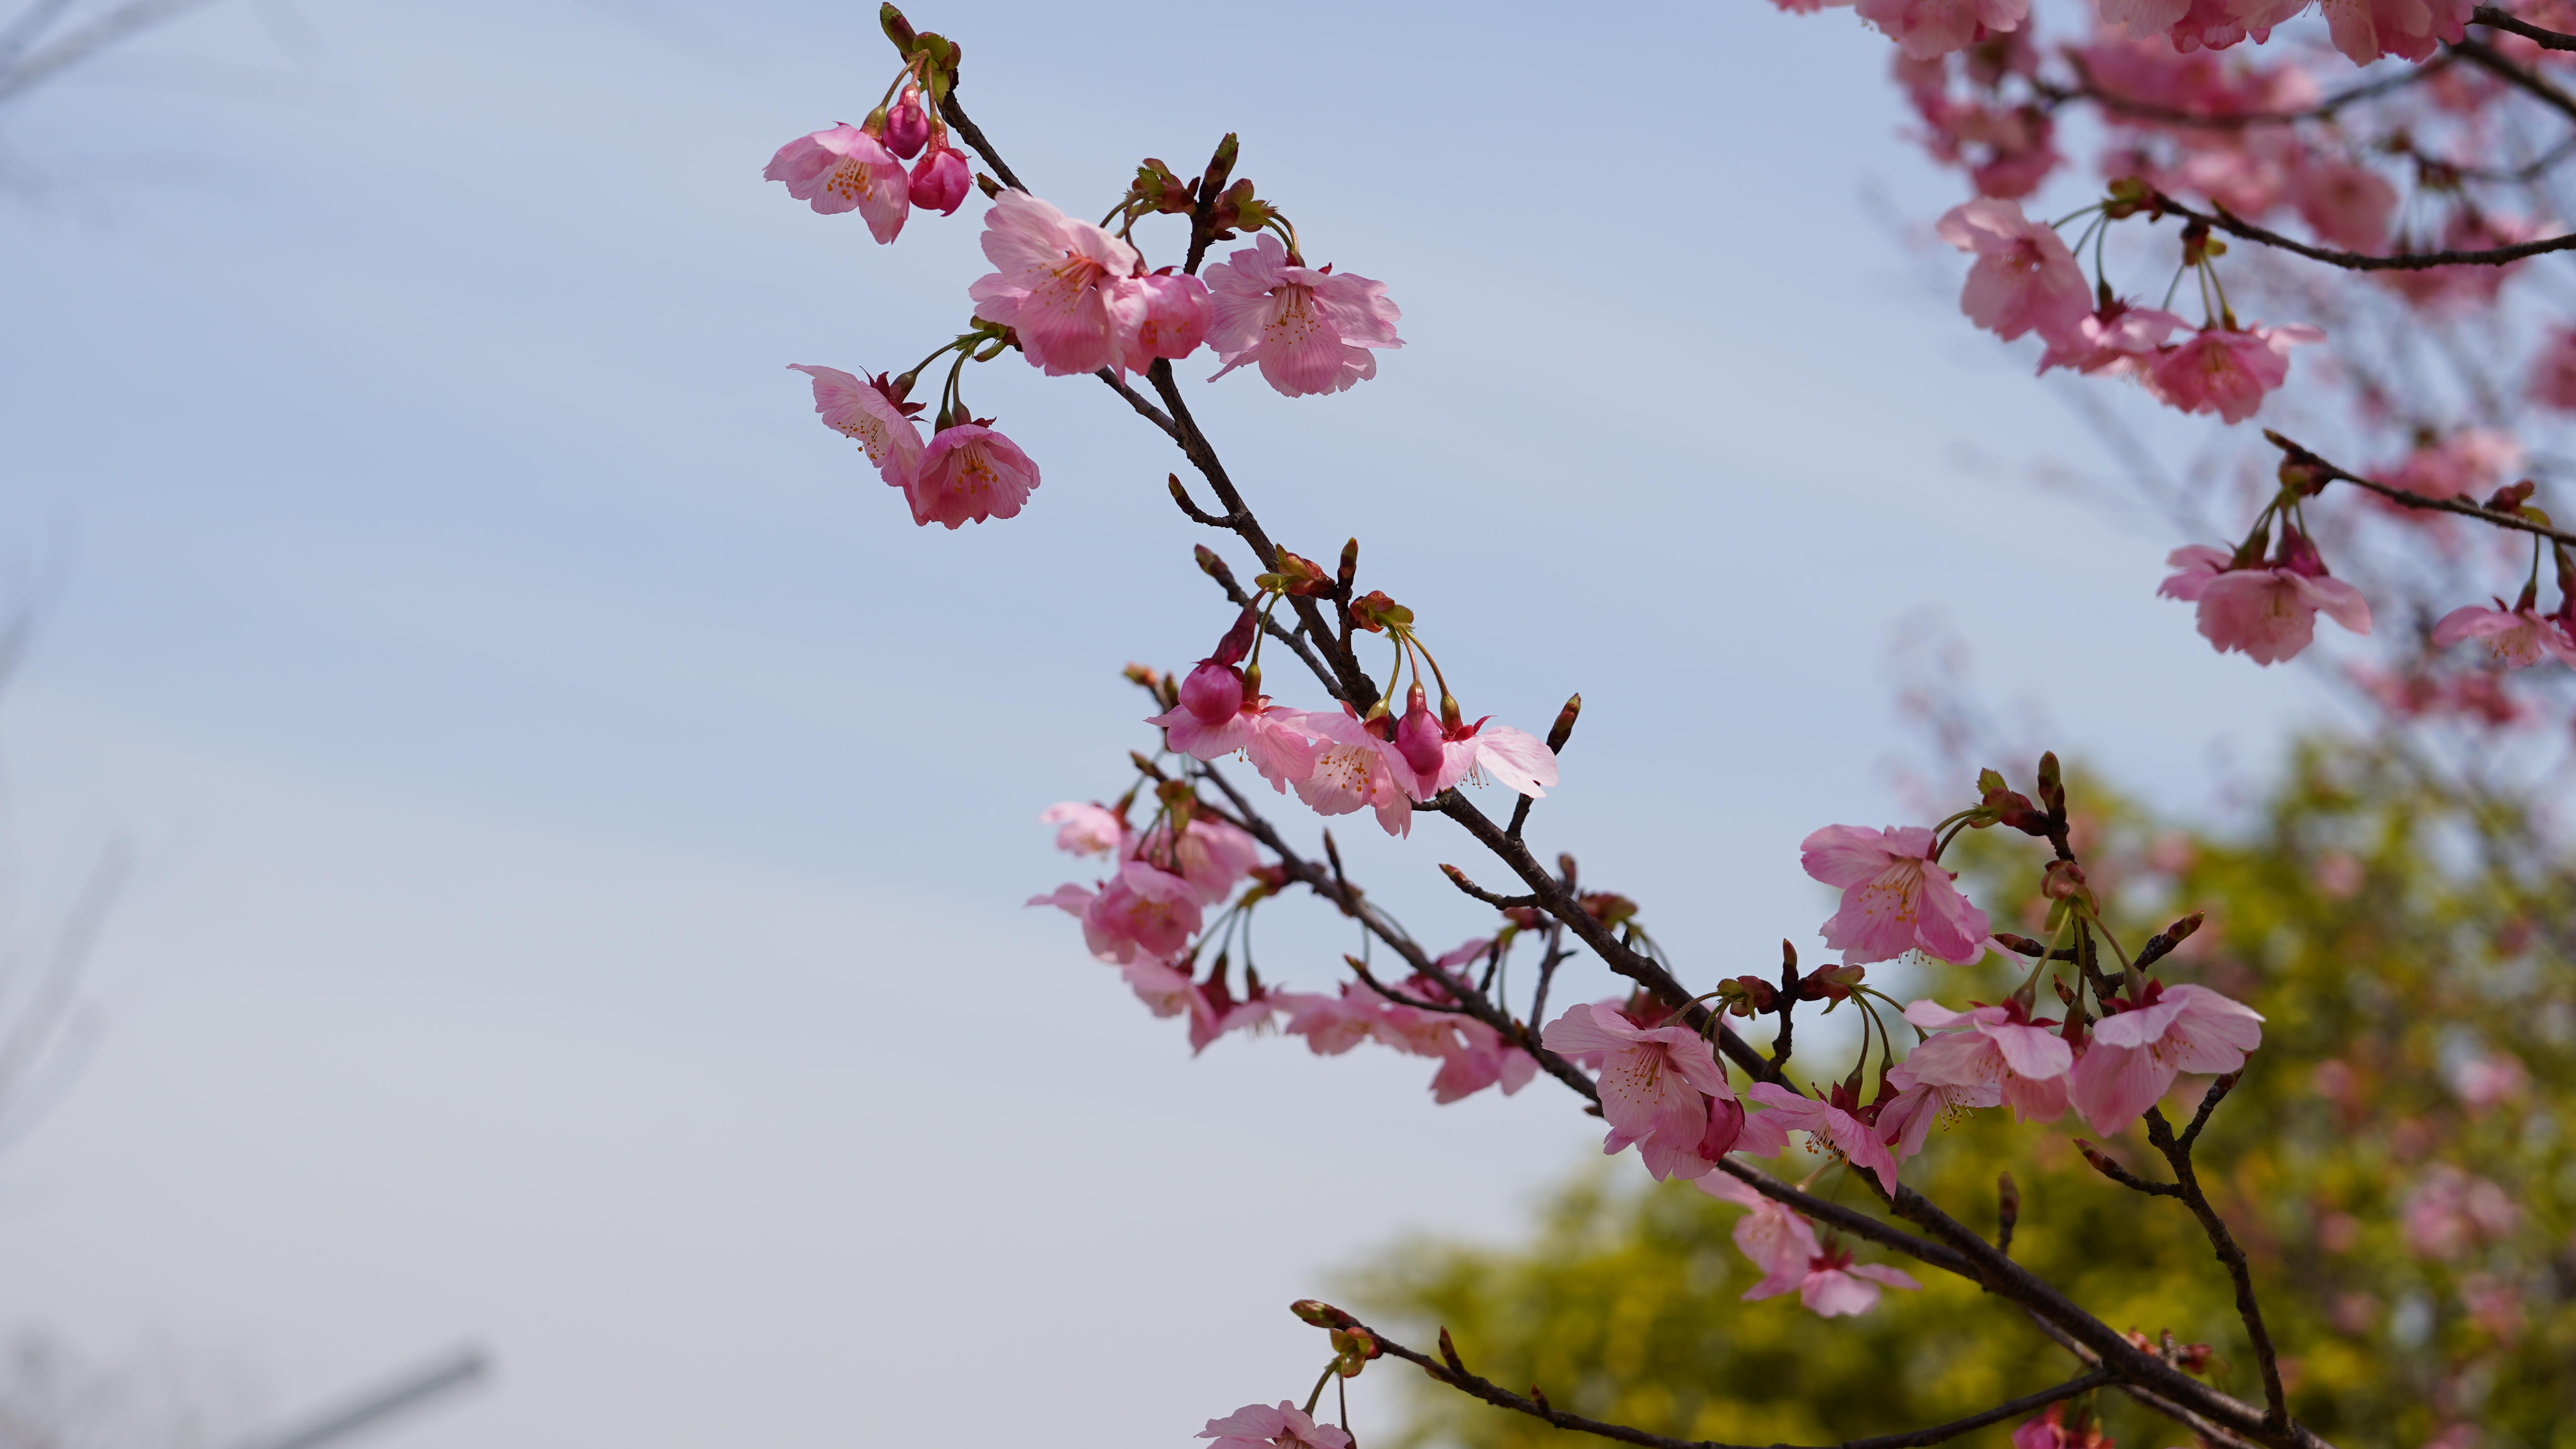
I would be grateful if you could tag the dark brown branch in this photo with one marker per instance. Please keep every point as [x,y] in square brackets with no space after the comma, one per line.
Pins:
[1851,1220]
[2461,505]
[2091,90]
[1136,400]
[2209,1101]
[2154,1402]
[2494,19]
[1181,496]
[2104,1164]
[1459,879]
[1458,1377]
[2223,1243]
[2484,57]
[2229,222]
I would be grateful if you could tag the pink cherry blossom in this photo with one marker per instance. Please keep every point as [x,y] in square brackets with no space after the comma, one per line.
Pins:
[2346,204]
[1258,1426]
[2024,279]
[868,412]
[1836,1286]
[2515,638]
[2271,614]
[2450,1212]
[1926,28]
[2467,460]
[2226,370]
[1428,756]
[1771,1235]
[1333,1025]
[907,126]
[2117,339]
[1050,287]
[1905,1119]
[1483,1059]
[2049,1431]
[1160,314]
[1085,829]
[970,473]
[845,168]
[1211,855]
[940,179]
[2135,1054]
[1840,1131]
[1140,909]
[1310,330]
[1655,1084]
[1993,1046]
[1896,898]
[2553,372]
[2365,30]
[1353,767]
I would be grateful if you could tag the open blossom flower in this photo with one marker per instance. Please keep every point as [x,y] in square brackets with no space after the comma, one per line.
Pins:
[2268,613]
[1085,829]
[2192,24]
[1482,1059]
[1656,1084]
[1160,314]
[1354,768]
[1429,756]
[2365,30]
[1927,28]
[1210,854]
[970,473]
[1054,284]
[2226,370]
[1258,1426]
[1142,908]
[1896,897]
[845,168]
[2515,638]
[1310,329]
[868,412]
[1905,1120]
[2024,280]
[2136,1053]
[2117,339]
[1217,717]
[1993,1046]
[1838,1128]
[2049,1431]
[1333,1025]
[1784,1247]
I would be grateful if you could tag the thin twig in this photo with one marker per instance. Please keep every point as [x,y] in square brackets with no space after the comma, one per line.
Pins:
[2229,222]
[2402,498]
[2223,1243]
[2494,19]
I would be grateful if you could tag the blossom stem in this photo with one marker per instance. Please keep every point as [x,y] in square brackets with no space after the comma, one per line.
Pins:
[1317,1396]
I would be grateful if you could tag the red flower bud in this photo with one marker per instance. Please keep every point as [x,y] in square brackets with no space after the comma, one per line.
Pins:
[907,125]
[1213,693]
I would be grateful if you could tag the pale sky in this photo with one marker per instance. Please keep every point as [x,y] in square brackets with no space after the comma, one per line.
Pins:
[581,823]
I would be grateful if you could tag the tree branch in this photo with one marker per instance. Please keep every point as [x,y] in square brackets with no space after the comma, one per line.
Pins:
[2402,498]
[2220,218]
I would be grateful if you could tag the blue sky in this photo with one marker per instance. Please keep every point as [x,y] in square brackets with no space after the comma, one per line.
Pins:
[581,822]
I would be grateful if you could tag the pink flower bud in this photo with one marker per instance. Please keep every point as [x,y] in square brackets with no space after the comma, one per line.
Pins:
[940,180]
[1417,736]
[907,125]
[1213,692]
[1725,1124]
[1238,639]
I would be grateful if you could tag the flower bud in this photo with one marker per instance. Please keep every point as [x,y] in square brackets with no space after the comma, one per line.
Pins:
[1725,1124]
[1417,735]
[1831,983]
[1320,1314]
[1238,639]
[940,179]
[1213,693]
[907,127]
[1747,995]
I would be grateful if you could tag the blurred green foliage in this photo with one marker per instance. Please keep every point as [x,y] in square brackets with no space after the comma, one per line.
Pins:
[2395,1161]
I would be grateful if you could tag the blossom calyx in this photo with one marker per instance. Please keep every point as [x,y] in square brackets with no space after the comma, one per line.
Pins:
[1353,1347]
[1747,996]
[1375,612]
[2064,881]
[1999,804]
[1298,577]
[1830,983]
[1609,908]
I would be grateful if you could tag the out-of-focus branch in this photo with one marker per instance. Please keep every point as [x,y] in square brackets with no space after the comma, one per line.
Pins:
[2091,90]
[1456,1375]
[120,24]
[2221,219]
[2547,92]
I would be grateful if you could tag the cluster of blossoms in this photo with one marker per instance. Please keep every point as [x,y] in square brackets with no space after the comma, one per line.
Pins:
[1070,296]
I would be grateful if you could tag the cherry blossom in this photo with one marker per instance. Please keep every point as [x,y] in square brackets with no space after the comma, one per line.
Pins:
[1086,829]
[2365,30]
[1832,1123]
[2049,1431]
[1428,756]
[2136,1052]
[1655,1084]
[1993,1046]
[1481,1059]
[2344,203]
[1310,330]
[2117,339]
[1905,1120]
[2024,279]
[2553,371]
[842,169]
[2515,638]
[2270,614]
[940,179]
[970,473]
[1258,1426]
[1896,897]
[1050,287]
[869,412]
[1353,767]
[2226,370]
[1777,1240]
[1161,314]
[2450,1212]
[1926,28]
[1142,908]
[1334,1024]
[1210,854]
[1217,717]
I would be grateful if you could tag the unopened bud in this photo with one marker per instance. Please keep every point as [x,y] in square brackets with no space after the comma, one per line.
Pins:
[1237,640]
[907,126]
[2007,1201]
[1350,565]
[1320,1314]
[1746,995]
[1831,983]
[1563,729]
[1417,735]
[1213,693]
